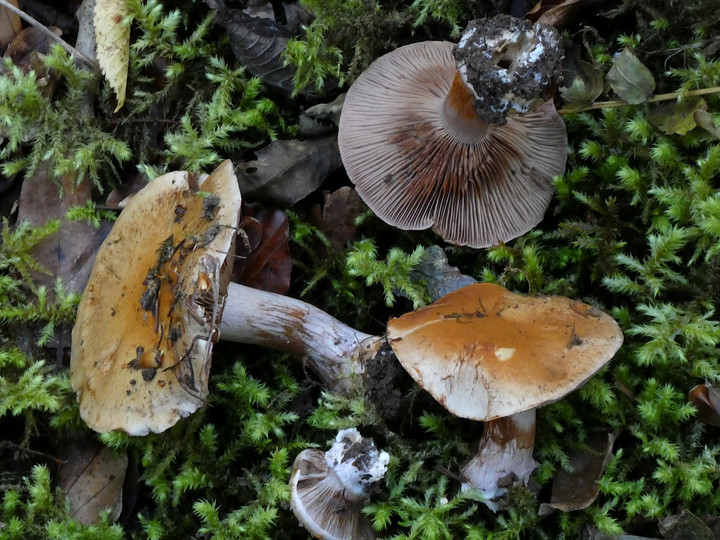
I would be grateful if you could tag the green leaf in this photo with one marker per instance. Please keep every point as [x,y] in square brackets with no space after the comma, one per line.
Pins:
[587,84]
[677,118]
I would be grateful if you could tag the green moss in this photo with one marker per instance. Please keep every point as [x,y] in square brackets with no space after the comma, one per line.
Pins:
[37,510]
[634,229]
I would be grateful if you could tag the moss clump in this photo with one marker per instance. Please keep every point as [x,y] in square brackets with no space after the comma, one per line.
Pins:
[634,229]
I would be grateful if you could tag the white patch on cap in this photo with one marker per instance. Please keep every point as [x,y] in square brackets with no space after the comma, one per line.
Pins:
[504,353]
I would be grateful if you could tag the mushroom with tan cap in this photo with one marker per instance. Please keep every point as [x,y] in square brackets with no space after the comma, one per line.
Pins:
[491,355]
[329,489]
[159,297]
[463,139]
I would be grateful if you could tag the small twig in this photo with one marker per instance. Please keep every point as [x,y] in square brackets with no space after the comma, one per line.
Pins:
[33,22]
[654,99]
[625,390]
[22,449]
[447,472]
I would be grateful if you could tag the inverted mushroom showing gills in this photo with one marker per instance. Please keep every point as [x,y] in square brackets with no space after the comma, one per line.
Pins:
[491,355]
[329,489]
[159,297]
[468,147]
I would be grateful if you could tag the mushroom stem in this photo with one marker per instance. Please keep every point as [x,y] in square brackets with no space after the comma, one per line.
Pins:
[458,113]
[504,456]
[332,350]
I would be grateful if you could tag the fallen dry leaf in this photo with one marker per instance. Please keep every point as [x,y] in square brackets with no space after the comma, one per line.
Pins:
[630,79]
[264,260]
[112,36]
[337,218]
[554,13]
[259,43]
[321,119]
[706,398]
[677,118]
[705,120]
[685,526]
[85,42]
[582,83]
[92,479]
[70,253]
[578,488]
[10,24]
[120,196]
[30,40]
[287,171]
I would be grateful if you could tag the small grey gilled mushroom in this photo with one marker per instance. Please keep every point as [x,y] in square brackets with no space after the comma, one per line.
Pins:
[329,489]
[487,354]
[159,297]
[463,139]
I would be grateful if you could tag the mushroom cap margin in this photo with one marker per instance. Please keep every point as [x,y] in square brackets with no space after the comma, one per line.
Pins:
[486,353]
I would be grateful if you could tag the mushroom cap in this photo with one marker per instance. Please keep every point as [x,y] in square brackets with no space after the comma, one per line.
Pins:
[147,321]
[329,490]
[415,174]
[485,353]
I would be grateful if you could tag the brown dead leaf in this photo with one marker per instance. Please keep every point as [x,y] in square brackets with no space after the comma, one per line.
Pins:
[121,195]
[27,45]
[264,260]
[10,24]
[112,37]
[685,526]
[321,119]
[259,43]
[337,219]
[577,489]
[70,253]
[287,171]
[706,398]
[554,13]
[705,120]
[92,479]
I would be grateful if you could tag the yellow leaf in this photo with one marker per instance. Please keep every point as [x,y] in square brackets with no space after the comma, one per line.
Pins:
[112,34]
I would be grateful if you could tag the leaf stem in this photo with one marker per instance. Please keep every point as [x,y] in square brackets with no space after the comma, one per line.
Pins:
[654,99]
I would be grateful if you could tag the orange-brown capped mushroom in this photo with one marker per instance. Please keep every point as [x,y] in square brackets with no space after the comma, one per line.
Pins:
[159,297]
[488,354]
[149,316]
[420,156]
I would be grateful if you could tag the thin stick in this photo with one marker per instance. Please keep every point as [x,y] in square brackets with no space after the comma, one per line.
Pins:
[33,22]
[654,99]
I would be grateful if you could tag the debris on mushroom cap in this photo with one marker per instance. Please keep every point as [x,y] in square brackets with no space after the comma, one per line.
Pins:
[419,163]
[485,353]
[148,318]
[509,64]
[330,489]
